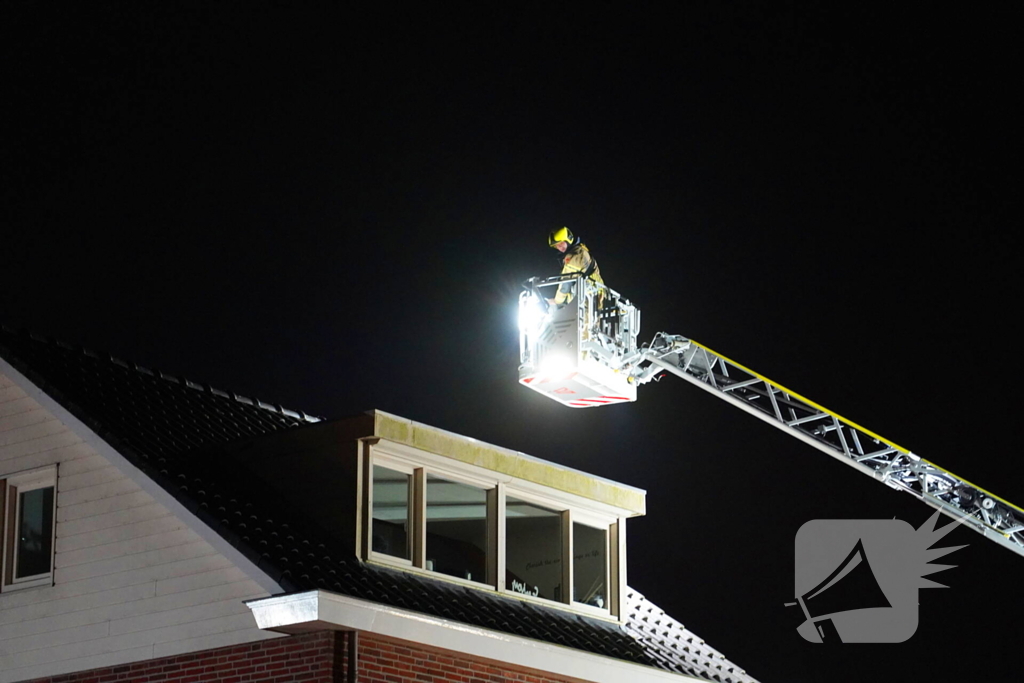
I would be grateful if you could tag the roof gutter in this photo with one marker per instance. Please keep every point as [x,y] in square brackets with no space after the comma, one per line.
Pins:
[322,610]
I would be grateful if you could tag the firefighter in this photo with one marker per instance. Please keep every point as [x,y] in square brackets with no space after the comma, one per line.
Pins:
[577,259]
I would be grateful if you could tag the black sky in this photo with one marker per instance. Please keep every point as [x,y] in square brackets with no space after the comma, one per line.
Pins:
[332,209]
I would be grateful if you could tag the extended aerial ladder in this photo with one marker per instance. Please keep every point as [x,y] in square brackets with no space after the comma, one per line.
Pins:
[585,354]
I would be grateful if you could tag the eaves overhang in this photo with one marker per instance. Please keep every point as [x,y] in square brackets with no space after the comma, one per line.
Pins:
[320,610]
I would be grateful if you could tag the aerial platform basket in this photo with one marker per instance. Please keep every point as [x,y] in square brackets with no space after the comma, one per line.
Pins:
[580,353]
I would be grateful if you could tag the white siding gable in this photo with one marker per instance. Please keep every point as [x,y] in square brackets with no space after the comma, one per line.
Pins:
[136,575]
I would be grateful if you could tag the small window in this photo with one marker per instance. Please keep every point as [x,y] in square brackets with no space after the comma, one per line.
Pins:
[590,565]
[28,503]
[533,550]
[392,513]
[456,529]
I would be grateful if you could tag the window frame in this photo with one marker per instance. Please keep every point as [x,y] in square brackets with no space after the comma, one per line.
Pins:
[490,496]
[418,470]
[498,488]
[559,508]
[12,486]
[401,468]
[571,514]
[608,529]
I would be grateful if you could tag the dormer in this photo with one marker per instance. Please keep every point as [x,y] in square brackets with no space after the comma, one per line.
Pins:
[422,500]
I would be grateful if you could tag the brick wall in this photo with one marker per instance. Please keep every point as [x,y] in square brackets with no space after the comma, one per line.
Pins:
[311,658]
[395,661]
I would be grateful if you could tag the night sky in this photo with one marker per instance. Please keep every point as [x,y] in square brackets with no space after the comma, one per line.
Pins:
[333,210]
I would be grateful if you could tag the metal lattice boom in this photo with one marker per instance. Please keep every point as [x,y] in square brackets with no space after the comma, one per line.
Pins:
[990,515]
[585,355]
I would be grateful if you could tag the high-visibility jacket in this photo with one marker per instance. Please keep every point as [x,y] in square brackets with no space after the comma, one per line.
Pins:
[577,260]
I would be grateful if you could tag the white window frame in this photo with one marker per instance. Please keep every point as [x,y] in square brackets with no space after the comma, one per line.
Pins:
[498,486]
[402,468]
[402,462]
[560,509]
[13,486]
[570,514]
[576,517]
[490,491]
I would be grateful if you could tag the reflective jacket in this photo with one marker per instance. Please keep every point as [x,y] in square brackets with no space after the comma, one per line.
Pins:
[577,260]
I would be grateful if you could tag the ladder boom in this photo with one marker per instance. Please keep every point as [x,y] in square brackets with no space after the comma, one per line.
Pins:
[884,460]
[585,354]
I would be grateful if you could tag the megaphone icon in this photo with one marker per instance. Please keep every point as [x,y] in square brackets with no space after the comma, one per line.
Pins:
[851,586]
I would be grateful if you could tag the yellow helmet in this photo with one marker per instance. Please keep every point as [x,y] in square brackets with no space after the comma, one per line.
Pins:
[560,235]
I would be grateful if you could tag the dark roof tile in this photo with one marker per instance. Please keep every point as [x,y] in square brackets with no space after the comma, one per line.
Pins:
[157,420]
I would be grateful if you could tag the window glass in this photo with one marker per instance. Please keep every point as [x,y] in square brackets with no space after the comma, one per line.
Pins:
[391,513]
[589,565]
[533,549]
[456,529]
[35,532]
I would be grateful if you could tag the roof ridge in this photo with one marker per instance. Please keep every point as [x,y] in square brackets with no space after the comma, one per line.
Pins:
[176,379]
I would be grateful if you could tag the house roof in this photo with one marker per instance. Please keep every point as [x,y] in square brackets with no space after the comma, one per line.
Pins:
[159,422]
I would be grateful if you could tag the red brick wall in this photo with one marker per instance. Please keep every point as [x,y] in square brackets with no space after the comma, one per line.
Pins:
[311,658]
[384,660]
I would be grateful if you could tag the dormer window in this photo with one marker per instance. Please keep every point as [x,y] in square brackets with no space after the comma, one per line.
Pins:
[590,565]
[466,524]
[392,512]
[533,549]
[457,529]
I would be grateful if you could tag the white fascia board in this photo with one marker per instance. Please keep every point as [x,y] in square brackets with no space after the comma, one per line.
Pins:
[323,610]
[154,489]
